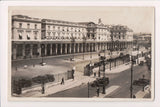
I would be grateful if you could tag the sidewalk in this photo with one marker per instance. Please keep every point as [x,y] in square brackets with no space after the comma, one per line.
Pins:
[51,88]
[117,69]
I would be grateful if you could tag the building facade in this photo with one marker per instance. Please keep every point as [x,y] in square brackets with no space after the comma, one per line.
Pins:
[34,37]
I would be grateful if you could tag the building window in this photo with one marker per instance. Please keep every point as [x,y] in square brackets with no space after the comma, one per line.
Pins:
[28,25]
[48,27]
[20,25]
[53,27]
[28,36]
[49,33]
[58,28]
[20,36]
[35,26]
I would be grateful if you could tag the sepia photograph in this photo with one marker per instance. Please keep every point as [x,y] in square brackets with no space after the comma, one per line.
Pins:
[81,52]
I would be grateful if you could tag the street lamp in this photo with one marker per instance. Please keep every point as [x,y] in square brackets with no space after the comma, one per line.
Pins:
[131,87]
[99,74]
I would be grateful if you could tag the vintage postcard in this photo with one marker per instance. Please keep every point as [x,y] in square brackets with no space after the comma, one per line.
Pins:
[81,53]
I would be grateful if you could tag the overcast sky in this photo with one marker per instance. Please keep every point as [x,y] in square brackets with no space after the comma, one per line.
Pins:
[140,19]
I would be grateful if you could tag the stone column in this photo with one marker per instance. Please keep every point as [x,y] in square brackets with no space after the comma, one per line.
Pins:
[56,49]
[14,51]
[74,48]
[39,49]
[61,46]
[70,48]
[81,47]
[51,49]
[31,50]
[45,46]
[89,47]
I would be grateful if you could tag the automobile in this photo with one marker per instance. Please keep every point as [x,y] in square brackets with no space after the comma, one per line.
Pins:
[100,82]
[141,82]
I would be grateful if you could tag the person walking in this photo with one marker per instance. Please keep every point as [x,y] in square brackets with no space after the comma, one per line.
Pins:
[97,91]
[62,82]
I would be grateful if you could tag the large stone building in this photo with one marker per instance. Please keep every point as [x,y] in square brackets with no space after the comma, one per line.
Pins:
[142,39]
[34,37]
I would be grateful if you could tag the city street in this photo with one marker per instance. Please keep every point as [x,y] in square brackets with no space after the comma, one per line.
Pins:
[53,65]
[121,80]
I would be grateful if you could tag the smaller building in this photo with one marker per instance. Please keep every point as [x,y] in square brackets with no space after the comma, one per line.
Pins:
[142,40]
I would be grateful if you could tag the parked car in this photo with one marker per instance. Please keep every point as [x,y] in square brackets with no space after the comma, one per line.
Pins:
[100,82]
[141,82]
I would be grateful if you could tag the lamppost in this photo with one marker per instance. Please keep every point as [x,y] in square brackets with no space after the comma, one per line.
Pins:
[104,87]
[132,62]
[131,87]
[90,51]
[104,60]
[99,73]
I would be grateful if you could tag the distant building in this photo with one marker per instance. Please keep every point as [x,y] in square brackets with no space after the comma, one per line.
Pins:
[142,40]
[34,37]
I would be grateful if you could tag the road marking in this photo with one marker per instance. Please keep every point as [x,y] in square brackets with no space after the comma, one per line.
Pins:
[111,89]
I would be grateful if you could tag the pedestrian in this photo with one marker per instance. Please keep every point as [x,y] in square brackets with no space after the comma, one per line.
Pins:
[97,91]
[43,89]
[73,74]
[62,82]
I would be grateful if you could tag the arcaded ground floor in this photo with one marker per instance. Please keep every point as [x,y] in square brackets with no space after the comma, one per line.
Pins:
[35,49]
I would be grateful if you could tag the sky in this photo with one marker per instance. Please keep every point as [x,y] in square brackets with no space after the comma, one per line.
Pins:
[139,19]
